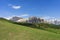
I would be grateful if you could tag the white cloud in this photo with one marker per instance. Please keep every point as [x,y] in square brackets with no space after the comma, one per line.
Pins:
[23,15]
[48,17]
[14,6]
[7,18]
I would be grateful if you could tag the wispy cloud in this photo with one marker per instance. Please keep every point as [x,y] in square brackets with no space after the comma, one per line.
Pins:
[23,15]
[7,18]
[14,6]
[48,17]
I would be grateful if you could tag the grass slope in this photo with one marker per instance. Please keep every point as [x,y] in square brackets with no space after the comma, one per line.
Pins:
[9,31]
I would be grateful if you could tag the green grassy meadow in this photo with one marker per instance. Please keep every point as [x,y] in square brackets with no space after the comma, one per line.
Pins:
[10,31]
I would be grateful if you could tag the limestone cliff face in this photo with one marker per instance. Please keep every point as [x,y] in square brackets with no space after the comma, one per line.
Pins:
[15,18]
[22,20]
[28,20]
[35,20]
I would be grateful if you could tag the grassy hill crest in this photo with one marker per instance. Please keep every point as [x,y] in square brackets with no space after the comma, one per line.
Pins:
[10,31]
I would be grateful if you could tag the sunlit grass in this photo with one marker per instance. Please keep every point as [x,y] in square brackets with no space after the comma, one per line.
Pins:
[10,31]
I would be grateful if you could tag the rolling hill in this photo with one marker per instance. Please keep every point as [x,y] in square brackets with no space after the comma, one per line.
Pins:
[10,31]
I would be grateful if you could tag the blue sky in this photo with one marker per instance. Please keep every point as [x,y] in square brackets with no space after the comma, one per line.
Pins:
[26,8]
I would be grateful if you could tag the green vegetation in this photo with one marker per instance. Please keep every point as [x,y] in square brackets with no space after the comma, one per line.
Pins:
[43,26]
[11,31]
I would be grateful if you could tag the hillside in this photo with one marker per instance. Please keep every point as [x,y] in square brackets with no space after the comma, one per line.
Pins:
[10,31]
